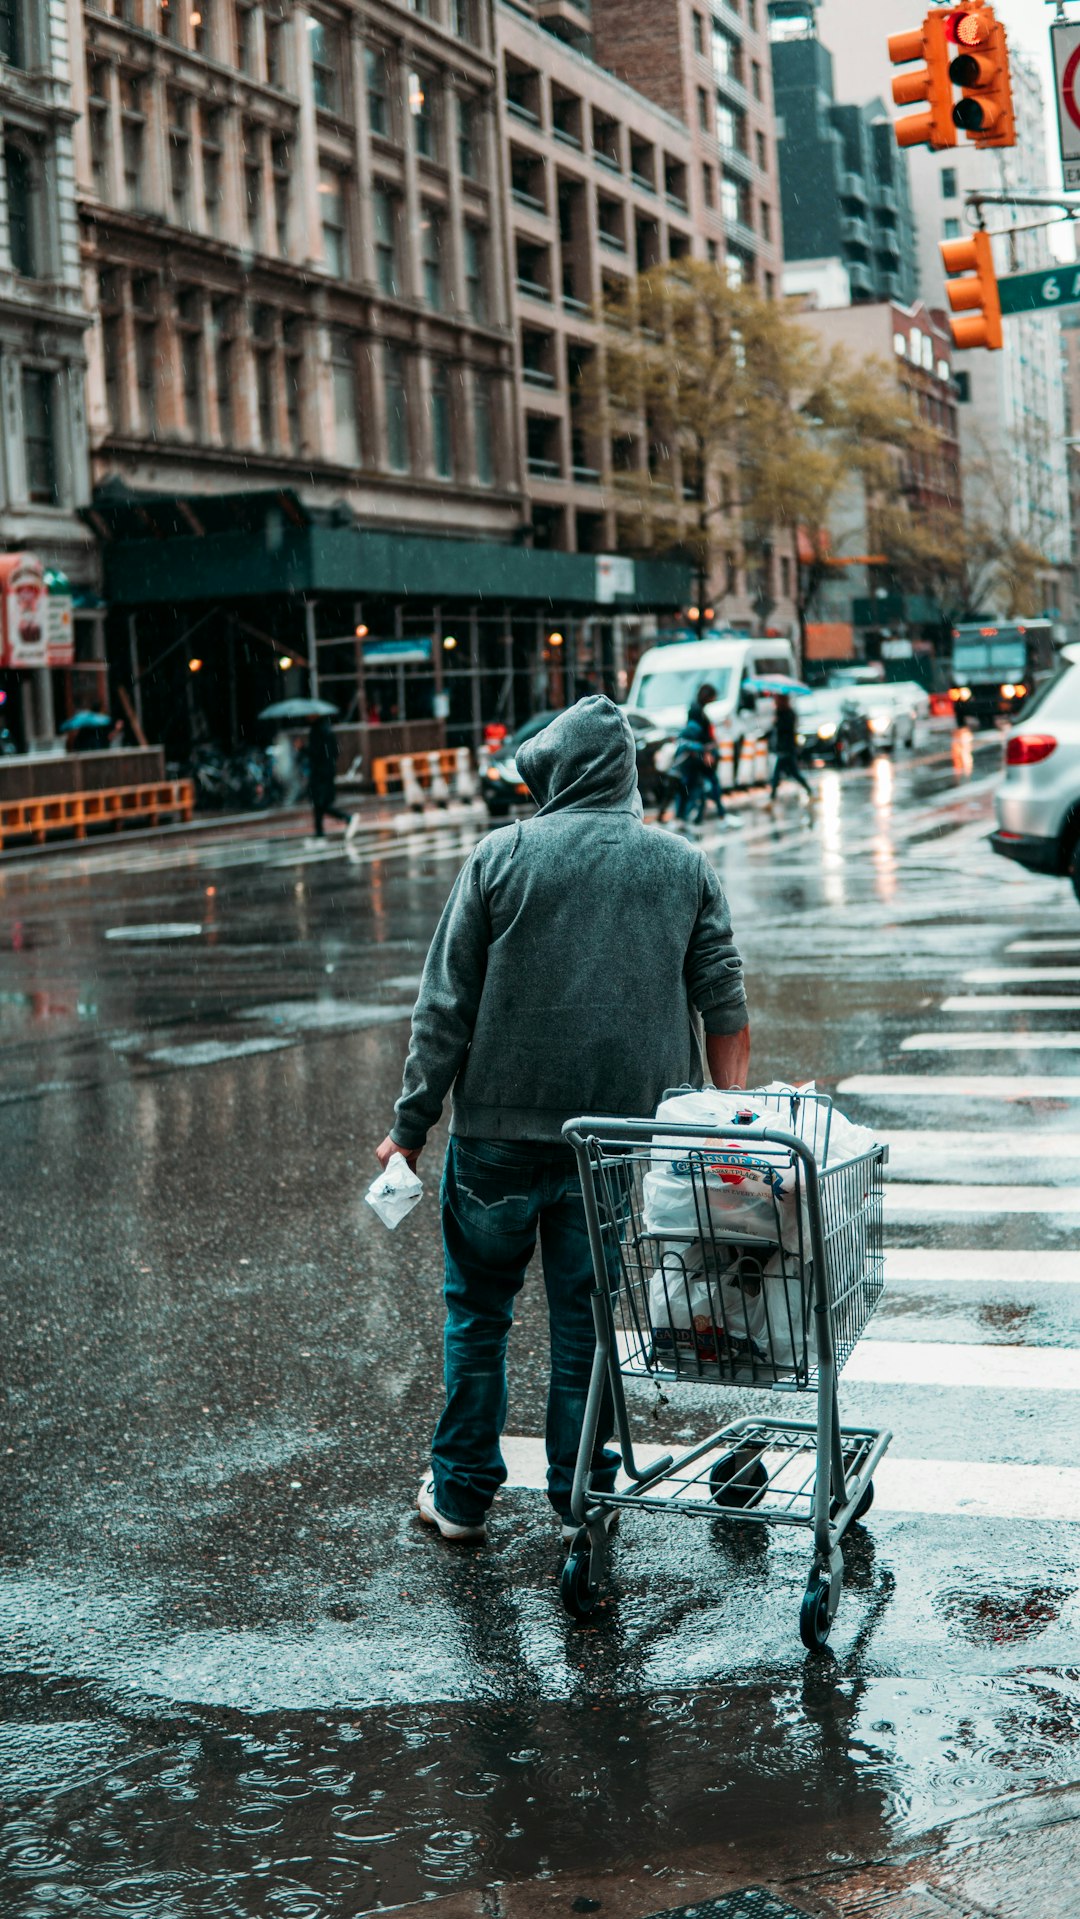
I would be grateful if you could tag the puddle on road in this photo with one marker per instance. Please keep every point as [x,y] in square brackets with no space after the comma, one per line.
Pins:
[122,1809]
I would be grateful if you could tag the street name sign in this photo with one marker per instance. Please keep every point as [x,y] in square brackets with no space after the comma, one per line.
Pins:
[1065,44]
[1034,292]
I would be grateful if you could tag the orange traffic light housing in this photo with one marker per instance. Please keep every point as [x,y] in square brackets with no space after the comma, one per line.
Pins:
[974,298]
[930,43]
[980,68]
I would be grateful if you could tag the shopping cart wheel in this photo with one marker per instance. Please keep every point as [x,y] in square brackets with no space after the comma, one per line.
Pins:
[576,1589]
[863,1506]
[739,1478]
[814,1621]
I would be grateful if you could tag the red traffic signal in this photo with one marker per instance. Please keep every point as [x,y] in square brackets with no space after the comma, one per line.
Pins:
[929,43]
[981,69]
[974,298]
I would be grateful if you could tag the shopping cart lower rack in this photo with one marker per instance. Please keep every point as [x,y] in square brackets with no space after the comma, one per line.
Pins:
[745,1258]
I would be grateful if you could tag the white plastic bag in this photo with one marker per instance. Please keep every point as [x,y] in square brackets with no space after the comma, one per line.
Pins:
[692,1310]
[396,1191]
[747,1188]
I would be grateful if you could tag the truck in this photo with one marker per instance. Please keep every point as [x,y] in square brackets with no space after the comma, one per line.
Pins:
[996,666]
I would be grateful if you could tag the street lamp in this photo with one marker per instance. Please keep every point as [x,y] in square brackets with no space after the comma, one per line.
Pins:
[194,666]
[285,662]
[449,643]
[555,639]
[361,631]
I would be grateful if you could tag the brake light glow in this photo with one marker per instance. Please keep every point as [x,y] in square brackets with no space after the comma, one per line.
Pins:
[1028,748]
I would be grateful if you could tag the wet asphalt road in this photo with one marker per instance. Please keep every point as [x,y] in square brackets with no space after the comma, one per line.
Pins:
[238,1677]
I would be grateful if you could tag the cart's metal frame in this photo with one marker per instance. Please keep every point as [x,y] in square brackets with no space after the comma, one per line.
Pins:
[822,1471]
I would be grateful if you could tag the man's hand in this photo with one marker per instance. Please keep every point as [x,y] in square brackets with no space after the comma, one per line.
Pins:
[385,1153]
[728,1055]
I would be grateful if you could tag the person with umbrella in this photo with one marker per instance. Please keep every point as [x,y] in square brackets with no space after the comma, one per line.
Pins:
[322,773]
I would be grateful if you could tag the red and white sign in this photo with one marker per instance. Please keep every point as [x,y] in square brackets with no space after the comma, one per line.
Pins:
[1065,44]
[24,611]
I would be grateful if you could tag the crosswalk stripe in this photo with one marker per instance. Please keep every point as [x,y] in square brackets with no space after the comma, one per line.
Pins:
[1035,1042]
[1012,1003]
[974,1265]
[910,1201]
[938,1146]
[1021,975]
[916,1362]
[1045,944]
[1007,1086]
[971,1488]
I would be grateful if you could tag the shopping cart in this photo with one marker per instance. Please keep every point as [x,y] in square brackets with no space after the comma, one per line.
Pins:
[684,1292]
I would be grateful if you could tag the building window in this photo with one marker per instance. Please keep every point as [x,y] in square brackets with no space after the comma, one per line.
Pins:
[262,347]
[22,211]
[699,33]
[761,152]
[463,19]
[112,347]
[708,184]
[397,409]
[274,37]
[279,164]
[253,184]
[12,41]
[169,20]
[292,337]
[730,127]
[422,109]
[133,134]
[178,117]
[951,229]
[948,183]
[189,326]
[483,429]
[785,576]
[770,286]
[735,267]
[97,88]
[467,141]
[766,220]
[147,362]
[730,198]
[431,256]
[222,332]
[755,80]
[39,436]
[727,56]
[384,208]
[335,235]
[325,65]
[378,91]
[442,438]
[245,39]
[201,38]
[703,109]
[212,137]
[475,242]
[346,411]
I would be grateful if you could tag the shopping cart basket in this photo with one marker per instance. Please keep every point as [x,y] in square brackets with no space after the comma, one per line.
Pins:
[744,1258]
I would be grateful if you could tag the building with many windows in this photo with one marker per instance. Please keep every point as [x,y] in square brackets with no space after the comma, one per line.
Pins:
[44,474]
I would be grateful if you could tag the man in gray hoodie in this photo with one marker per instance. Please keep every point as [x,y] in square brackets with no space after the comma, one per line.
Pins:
[577,960]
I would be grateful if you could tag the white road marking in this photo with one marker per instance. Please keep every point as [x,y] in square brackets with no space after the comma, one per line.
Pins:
[1045,944]
[1009,1369]
[969,1488]
[972,1265]
[168,930]
[1007,1086]
[1021,975]
[1012,1003]
[937,1146]
[323,1015]
[919,1202]
[1042,1042]
[211,1052]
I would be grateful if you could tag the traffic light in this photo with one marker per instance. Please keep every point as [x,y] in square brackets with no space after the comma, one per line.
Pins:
[929,43]
[976,297]
[981,69]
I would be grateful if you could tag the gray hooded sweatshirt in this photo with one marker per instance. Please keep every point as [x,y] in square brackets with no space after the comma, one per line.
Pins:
[572,955]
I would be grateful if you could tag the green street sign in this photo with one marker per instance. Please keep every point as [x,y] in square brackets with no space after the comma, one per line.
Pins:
[1034,292]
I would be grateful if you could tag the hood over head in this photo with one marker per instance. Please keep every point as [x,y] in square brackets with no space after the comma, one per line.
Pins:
[585,760]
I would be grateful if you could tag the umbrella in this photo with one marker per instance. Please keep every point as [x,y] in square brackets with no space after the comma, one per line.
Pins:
[775,683]
[299,710]
[79,721]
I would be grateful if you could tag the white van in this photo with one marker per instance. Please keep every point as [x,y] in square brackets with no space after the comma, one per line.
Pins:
[668,677]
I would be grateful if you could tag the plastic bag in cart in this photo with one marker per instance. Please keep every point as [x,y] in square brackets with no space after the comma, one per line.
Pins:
[747,1189]
[748,1308]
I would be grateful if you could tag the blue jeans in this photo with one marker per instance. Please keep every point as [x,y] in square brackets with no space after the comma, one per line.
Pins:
[496,1195]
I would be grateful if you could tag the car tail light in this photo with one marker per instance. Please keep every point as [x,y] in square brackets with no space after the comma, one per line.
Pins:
[1027,748]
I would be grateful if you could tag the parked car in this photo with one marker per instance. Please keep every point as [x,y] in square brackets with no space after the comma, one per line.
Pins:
[502,785]
[1038,801]
[832,727]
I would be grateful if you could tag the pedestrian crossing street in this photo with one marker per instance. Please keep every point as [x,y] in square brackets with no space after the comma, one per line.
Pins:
[977,1160]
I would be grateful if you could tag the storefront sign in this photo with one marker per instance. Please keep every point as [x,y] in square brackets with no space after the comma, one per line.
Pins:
[615,578]
[61,639]
[397,652]
[24,611]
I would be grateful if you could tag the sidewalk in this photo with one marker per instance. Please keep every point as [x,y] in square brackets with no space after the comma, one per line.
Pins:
[1016,1859]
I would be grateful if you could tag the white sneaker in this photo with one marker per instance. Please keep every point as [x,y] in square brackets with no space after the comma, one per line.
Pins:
[570,1531]
[734,822]
[449,1528]
[353,827]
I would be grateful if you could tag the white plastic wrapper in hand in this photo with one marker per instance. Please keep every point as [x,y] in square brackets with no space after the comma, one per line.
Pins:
[394,1194]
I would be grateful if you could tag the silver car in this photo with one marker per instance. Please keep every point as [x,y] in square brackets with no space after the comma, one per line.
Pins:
[1038,801]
